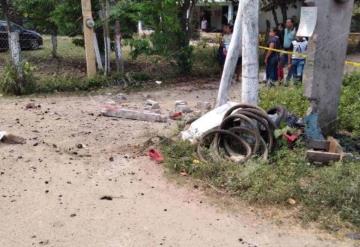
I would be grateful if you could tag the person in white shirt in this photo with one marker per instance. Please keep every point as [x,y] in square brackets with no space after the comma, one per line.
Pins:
[204,24]
[299,47]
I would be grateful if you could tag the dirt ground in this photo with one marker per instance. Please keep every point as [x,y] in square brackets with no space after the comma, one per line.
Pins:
[50,188]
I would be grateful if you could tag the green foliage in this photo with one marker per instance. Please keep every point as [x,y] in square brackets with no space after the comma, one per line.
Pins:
[290,97]
[38,13]
[11,84]
[169,38]
[349,112]
[68,17]
[323,193]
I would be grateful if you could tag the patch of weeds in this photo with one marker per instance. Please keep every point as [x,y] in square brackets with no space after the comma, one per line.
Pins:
[12,84]
[291,97]
[349,111]
[329,194]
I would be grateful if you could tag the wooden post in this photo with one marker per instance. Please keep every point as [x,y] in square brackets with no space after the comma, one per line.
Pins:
[88,38]
[231,58]
[250,52]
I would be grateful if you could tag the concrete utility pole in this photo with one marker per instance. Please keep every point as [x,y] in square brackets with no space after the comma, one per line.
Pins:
[324,68]
[88,24]
[231,58]
[250,52]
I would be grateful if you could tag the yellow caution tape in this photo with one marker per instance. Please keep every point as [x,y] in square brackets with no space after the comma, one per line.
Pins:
[352,63]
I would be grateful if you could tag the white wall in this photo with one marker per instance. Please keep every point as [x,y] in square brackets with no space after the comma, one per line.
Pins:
[269,16]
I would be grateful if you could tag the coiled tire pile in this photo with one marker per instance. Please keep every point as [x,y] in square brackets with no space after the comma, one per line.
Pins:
[245,131]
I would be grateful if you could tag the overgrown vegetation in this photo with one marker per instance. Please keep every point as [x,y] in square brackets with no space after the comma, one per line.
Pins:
[292,98]
[328,194]
[12,84]
[323,194]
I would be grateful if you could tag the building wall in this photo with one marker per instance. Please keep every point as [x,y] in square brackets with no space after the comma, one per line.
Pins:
[217,13]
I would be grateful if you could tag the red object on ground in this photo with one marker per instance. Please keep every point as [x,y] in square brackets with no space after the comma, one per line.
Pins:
[280,73]
[291,138]
[155,155]
[176,116]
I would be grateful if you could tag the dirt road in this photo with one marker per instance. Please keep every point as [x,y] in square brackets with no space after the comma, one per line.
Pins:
[50,188]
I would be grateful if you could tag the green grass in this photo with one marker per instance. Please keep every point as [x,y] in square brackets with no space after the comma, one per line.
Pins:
[329,195]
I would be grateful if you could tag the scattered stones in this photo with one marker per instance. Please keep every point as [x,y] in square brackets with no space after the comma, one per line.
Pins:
[72,215]
[120,97]
[151,105]
[32,106]
[182,106]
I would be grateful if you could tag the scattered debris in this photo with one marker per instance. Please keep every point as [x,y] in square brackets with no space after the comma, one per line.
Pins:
[245,131]
[151,105]
[176,115]
[119,112]
[158,82]
[205,123]
[11,139]
[325,151]
[182,106]
[120,97]
[106,198]
[32,105]
[155,155]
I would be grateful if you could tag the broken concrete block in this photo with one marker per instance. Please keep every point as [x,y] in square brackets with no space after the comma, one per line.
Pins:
[134,115]
[204,105]
[183,109]
[151,105]
[120,97]
[180,102]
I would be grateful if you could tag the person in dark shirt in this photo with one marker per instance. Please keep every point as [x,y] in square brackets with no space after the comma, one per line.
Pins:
[272,58]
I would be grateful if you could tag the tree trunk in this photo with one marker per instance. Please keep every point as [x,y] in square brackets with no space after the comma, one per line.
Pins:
[54,43]
[276,19]
[97,53]
[118,50]
[15,50]
[231,58]
[284,12]
[105,21]
[250,52]
[14,45]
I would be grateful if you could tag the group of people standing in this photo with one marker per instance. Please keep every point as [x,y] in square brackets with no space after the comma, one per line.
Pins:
[280,38]
[294,46]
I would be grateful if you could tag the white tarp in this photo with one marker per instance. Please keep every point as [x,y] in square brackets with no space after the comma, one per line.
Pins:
[308,21]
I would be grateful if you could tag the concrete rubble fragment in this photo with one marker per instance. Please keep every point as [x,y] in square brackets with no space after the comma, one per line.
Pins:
[151,105]
[120,112]
[11,139]
[182,106]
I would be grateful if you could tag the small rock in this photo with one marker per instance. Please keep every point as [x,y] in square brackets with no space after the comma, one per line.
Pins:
[80,146]
[291,201]
[111,159]
[181,102]
[31,106]
[107,198]
[120,97]
[183,109]
[151,105]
